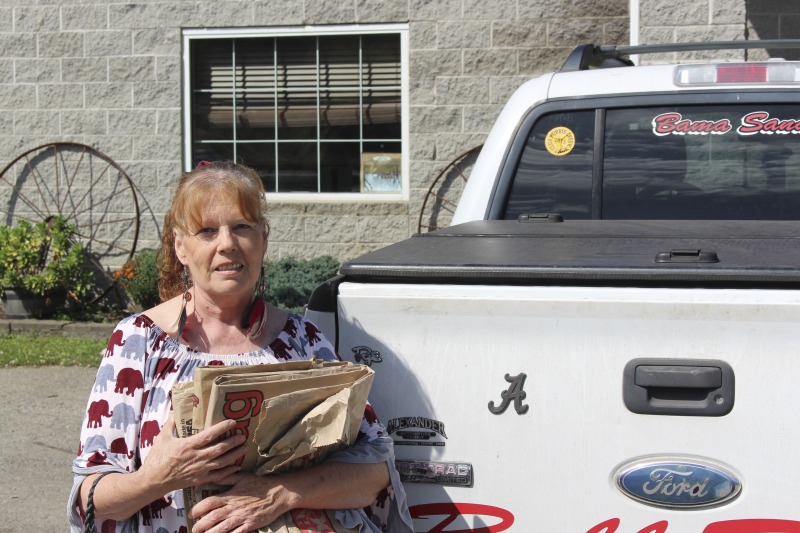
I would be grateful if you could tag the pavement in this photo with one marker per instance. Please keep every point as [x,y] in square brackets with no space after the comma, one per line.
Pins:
[41,413]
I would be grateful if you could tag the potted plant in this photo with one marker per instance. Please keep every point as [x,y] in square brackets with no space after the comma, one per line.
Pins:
[41,265]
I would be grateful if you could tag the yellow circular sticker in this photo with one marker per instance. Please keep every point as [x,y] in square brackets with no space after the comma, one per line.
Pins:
[559,141]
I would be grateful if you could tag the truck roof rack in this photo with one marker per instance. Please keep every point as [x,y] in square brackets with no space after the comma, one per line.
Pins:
[587,56]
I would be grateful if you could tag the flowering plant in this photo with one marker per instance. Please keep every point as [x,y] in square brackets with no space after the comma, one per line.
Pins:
[139,278]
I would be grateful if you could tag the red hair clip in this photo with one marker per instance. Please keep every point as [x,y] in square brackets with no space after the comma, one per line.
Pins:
[203,163]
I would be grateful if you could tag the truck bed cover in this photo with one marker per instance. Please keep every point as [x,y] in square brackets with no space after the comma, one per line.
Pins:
[707,253]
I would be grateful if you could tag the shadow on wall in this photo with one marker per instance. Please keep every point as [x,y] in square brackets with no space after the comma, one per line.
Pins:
[774,19]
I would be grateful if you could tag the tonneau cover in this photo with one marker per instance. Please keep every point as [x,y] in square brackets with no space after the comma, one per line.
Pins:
[582,251]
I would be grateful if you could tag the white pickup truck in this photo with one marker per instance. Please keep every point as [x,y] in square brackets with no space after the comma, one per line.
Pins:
[607,340]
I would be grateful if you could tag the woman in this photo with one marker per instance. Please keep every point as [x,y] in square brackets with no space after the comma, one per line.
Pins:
[213,312]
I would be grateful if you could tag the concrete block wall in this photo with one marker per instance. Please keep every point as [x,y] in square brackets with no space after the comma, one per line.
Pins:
[719,20]
[108,74]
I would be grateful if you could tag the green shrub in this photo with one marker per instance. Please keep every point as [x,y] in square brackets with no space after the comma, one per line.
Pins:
[291,281]
[43,258]
[139,278]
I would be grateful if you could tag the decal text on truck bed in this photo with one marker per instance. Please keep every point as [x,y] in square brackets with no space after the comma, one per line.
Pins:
[453,474]
[416,431]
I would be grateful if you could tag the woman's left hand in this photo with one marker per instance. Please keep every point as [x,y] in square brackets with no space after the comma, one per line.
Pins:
[252,502]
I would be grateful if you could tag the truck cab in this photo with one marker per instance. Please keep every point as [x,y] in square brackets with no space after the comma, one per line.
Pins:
[710,140]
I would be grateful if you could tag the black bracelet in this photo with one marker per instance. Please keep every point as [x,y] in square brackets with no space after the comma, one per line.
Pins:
[88,523]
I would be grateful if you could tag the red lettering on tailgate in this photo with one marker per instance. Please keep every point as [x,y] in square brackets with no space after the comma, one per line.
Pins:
[611,525]
[746,525]
[452,511]
[754,525]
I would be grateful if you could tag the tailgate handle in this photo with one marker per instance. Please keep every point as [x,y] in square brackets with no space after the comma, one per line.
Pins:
[688,387]
[687,256]
[681,377]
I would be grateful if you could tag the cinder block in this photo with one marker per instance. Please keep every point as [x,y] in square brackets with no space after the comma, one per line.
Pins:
[490,62]
[493,10]
[462,90]
[132,68]
[382,11]
[35,71]
[85,69]
[330,12]
[464,34]
[134,16]
[435,63]
[518,34]
[382,229]
[84,17]
[479,119]
[135,122]
[84,122]
[28,122]
[36,19]
[663,12]
[277,12]
[60,96]
[157,41]
[109,95]
[17,96]
[14,45]
[569,32]
[435,9]
[227,13]
[729,11]
[434,119]
[422,35]
[168,69]
[61,44]
[537,10]
[161,95]
[109,43]
[168,122]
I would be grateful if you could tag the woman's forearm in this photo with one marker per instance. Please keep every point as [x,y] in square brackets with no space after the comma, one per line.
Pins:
[256,501]
[119,496]
[334,485]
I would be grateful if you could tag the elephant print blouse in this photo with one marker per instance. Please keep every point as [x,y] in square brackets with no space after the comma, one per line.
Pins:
[130,401]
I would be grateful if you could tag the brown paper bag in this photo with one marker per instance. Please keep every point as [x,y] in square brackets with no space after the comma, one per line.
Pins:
[294,415]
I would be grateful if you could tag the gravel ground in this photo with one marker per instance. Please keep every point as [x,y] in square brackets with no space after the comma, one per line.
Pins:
[41,413]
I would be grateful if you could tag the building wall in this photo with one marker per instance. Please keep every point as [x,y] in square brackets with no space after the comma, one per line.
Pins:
[720,20]
[108,74]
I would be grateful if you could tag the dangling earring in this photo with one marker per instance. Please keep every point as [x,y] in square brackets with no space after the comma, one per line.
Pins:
[187,297]
[256,316]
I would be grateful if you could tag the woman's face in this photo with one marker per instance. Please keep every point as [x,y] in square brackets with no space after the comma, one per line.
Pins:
[225,253]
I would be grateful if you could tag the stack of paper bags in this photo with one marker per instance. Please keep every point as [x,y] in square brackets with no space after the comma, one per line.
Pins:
[293,414]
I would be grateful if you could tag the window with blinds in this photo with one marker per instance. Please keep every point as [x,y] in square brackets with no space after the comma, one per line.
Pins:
[305,111]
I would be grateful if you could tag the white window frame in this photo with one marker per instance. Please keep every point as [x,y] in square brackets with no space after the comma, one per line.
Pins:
[308,31]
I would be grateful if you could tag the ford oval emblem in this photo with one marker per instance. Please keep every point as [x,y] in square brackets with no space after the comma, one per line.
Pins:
[677,483]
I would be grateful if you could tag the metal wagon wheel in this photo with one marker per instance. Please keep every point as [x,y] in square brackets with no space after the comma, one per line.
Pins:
[440,201]
[87,188]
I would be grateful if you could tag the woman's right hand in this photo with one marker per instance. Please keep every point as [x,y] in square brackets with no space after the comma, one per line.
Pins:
[176,463]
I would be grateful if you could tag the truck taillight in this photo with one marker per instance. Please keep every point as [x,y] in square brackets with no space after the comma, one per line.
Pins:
[779,72]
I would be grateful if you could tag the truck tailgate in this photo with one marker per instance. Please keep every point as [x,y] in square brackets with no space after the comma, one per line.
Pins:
[518,392]
[562,378]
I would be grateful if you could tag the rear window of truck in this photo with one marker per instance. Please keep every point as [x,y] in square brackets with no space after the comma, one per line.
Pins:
[724,162]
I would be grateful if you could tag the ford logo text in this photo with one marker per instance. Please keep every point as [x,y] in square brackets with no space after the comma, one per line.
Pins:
[677,484]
